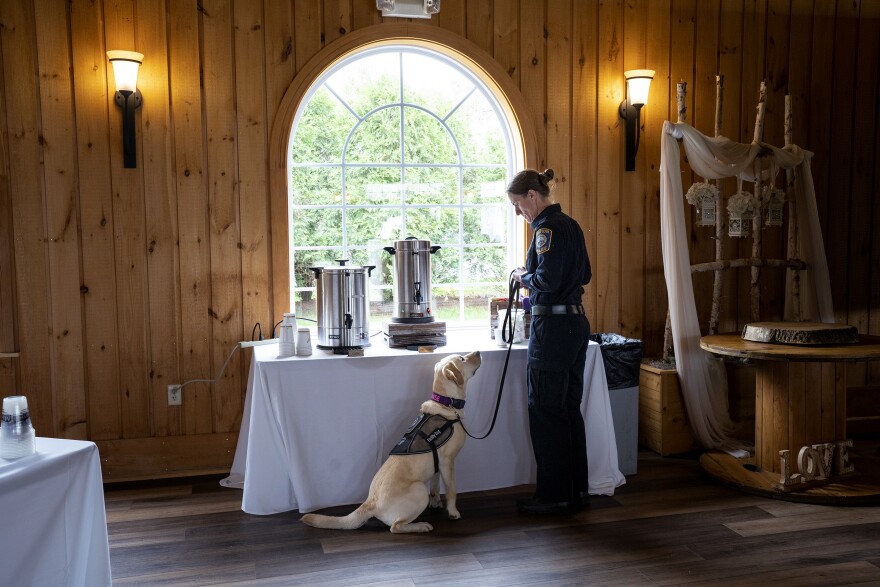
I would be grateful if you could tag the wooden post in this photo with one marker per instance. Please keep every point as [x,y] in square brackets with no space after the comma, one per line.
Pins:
[680,95]
[759,206]
[791,197]
[719,224]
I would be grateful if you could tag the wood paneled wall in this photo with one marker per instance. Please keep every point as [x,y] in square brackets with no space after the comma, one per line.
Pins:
[117,282]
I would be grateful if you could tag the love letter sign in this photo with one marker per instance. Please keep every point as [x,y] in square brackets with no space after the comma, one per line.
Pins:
[818,464]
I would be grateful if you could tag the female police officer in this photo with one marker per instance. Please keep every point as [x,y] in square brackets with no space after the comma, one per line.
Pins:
[557,268]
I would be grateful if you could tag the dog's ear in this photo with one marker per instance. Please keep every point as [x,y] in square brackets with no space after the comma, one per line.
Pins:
[453,373]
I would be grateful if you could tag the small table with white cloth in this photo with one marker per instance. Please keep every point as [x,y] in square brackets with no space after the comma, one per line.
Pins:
[316,429]
[54,524]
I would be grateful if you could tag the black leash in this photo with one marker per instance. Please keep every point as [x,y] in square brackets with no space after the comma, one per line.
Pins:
[507,330]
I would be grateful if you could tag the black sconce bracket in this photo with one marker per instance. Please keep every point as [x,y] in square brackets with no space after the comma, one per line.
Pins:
[631,113]
[129,102]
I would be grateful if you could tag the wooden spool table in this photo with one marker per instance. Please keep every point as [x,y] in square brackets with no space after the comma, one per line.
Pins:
[800,407]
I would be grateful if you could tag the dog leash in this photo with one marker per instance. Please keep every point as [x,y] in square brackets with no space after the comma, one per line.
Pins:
[507,330]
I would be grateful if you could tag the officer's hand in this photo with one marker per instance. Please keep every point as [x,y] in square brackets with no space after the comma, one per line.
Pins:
[518,273]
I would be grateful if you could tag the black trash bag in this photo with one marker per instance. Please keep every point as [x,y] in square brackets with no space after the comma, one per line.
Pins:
[622,358]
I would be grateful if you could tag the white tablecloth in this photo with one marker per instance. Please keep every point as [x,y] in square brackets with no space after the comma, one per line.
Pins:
[316,429]
[54,529]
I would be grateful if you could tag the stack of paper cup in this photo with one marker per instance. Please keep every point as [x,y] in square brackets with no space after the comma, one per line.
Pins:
[286,344]
[17,436]
[303,342]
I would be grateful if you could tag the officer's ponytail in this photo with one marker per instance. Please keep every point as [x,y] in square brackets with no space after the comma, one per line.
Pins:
[529,179]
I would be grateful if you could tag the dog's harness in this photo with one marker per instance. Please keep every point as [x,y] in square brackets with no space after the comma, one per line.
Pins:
[428,432]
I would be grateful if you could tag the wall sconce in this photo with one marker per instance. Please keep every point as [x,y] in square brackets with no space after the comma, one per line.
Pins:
[638,81]
[408,8]
[125,70]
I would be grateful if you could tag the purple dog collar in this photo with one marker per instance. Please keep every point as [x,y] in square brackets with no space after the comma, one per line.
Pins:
[448,401]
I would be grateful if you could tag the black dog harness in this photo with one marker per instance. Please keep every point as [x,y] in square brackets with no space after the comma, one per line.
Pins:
[428,432]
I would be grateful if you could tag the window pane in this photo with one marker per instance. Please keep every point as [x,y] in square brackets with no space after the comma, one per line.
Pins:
[485,264]
[368,82]
[303,260]
[321,130]
[476,302]
[444,266]
[478,131]
[317,227]
[438,225]
[372,185]
[316,185]
[484,185]
[432,83]
[425,139]
[431,185]
[485,224]
[377,139]
[363,225]
[446,303]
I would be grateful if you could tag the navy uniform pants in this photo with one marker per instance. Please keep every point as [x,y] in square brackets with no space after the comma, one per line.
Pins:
[557,354]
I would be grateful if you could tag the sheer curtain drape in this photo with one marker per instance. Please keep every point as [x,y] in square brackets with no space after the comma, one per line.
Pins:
[703,377]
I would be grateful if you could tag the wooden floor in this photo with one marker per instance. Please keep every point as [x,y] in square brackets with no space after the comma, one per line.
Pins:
[667,526]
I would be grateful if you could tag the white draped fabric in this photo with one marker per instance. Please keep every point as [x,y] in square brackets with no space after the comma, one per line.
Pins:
[703,378]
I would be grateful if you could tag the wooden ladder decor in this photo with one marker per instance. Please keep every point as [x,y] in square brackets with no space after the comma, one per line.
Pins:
[756,262]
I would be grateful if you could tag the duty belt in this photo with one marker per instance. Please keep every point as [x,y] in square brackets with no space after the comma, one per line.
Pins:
[542,309]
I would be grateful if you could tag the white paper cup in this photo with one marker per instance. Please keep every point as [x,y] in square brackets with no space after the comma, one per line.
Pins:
[17,435]
[286,344]
[303,342]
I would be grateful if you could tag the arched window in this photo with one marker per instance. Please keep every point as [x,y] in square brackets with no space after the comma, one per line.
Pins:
[399,140]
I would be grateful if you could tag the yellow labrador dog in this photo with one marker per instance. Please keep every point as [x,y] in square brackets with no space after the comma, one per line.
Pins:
[398,493]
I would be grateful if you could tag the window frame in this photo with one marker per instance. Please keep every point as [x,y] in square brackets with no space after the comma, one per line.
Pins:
[399,52]
[477,61]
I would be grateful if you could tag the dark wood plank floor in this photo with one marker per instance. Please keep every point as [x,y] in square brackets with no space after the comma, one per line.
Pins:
[667,526]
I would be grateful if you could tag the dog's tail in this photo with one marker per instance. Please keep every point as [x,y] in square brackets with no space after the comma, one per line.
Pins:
[355,519]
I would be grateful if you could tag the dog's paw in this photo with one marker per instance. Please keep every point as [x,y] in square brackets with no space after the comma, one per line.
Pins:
[403,528]
[454,515]
[434,502]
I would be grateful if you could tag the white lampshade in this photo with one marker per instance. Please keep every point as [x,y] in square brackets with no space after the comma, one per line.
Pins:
[638,81]
[125,68]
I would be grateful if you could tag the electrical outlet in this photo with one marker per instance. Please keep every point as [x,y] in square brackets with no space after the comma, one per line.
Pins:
[174,394]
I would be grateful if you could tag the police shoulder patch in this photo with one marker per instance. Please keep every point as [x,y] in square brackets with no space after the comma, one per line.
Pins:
[543,237]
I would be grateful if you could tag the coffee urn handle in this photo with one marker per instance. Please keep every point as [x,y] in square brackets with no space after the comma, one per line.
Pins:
[435,248]
[389,250]
[317,270]
[369,269]
[341,262]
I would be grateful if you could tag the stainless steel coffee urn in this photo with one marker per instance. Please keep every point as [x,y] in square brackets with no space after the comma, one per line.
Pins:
[412,280]
[343,305]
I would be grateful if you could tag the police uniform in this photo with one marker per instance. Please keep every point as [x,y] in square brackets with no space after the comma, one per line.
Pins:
[557,268]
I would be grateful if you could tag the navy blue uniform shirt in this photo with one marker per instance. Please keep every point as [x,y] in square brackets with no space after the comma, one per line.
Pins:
[557,265]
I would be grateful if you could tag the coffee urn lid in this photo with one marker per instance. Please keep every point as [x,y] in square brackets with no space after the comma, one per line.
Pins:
[342,268]
[413,244]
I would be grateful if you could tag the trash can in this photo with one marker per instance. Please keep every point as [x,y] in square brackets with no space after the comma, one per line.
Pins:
[622,358]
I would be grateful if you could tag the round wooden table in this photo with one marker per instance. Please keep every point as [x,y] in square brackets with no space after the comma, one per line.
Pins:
[800,401]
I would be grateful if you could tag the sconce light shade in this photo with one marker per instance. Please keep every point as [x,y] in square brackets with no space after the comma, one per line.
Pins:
[408,8]
[638,81]
[125,71]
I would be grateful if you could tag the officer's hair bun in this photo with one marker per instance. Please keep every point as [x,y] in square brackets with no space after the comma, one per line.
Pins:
[546,176]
